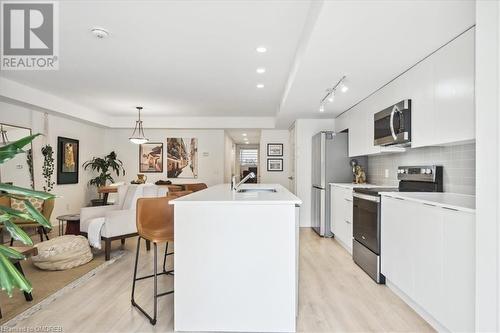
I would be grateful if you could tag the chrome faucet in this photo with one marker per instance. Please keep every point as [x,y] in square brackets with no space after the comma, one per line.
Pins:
[235,187]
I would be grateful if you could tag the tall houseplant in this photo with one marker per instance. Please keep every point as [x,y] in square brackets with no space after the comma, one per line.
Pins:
[104,167]
[10,277]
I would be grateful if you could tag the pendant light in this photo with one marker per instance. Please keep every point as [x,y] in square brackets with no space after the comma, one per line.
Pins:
[138,136]
[5,139]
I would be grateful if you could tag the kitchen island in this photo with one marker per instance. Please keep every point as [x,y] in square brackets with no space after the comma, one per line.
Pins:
[236,259]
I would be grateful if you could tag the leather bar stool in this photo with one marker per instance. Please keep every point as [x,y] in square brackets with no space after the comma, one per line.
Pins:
[195,187]
[155,224]
[172,195]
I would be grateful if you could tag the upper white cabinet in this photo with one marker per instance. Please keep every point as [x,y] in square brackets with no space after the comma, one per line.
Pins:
[454,91]
[441,89]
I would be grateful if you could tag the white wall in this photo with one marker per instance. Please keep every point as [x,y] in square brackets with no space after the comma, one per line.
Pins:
[487,165]
[274,177]
[304,131]
[229,158]
[71,197]
[210,153]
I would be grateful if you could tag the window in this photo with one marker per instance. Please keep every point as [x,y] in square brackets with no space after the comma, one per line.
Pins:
[249,157]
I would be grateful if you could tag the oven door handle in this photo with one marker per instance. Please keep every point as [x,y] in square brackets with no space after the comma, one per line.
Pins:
[366,197]
[393,132]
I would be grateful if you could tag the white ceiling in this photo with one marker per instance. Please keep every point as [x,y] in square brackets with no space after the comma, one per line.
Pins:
[239,135]
[371,42]
[176,58]
[198,58]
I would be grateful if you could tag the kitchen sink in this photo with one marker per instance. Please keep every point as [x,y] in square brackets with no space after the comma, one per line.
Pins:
[245,190]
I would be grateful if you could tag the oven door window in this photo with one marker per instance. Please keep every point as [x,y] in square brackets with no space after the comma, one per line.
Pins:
[365,223]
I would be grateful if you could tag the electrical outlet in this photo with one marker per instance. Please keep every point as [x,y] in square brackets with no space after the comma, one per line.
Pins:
[386,173]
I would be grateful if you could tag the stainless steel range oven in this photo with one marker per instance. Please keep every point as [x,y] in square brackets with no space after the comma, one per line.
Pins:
[367,208]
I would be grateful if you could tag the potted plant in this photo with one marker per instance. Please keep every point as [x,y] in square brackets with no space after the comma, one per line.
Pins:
[104,166]
[10,277]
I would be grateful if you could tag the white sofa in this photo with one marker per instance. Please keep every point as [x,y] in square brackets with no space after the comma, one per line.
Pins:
[118,220]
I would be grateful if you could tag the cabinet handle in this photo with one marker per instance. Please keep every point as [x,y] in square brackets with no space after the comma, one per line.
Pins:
[398,198]
[428,204]
[350,200]
[348,222]
[449,208]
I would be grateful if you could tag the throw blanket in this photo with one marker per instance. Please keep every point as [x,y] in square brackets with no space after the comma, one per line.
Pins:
[94,232]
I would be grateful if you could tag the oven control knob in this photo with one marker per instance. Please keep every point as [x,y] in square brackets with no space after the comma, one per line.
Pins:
[428,171]
[422,171]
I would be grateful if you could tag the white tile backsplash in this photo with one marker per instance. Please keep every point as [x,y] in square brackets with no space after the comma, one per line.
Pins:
[459,166]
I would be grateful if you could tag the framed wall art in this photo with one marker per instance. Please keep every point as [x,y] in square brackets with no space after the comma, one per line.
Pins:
[151,157]
[274,164]
[274,149]
[182,158]
[68,151]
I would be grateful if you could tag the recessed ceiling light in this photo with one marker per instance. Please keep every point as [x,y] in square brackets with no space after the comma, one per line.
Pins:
[244,134]
[322,108]
[261,70]
[100,32]
[261,49]
[260,85]
[247,143]
[344,88]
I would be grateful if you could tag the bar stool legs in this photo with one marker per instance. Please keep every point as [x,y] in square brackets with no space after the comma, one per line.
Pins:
[155,274]
[171,272]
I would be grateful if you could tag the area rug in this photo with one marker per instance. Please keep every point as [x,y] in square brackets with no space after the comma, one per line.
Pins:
[49,285]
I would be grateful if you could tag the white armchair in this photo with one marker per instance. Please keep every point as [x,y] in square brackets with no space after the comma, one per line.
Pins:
[116,221]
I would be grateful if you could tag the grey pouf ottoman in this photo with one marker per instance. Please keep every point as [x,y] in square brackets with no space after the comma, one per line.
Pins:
[62,253]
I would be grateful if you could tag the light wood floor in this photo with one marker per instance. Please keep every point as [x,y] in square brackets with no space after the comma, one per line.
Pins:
[335,296]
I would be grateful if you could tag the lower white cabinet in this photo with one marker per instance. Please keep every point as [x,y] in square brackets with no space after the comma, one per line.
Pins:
[428,253]
[341,216]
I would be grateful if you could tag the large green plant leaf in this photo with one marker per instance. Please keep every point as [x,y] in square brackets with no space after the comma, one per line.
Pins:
[11,253]
[37,215]
[17,233]
[16,213]
[10,277]
[8,152]
[25,192]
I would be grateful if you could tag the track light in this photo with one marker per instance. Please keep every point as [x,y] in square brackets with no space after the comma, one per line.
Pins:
[330,93]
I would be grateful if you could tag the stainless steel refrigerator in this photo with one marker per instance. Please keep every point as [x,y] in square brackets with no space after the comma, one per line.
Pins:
[330,164]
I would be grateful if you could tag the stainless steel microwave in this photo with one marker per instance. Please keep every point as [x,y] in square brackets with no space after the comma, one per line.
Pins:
[392,126]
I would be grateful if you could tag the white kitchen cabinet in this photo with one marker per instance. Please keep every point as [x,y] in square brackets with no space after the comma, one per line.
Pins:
[357,133]
[458,270]
[454,91]
[428,253]
[441,88]
[341,216]
[397,243]
[420,88]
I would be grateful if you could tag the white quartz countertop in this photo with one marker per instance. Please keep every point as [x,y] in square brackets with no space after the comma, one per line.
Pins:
[461,202]
[222,194]
[352,185]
